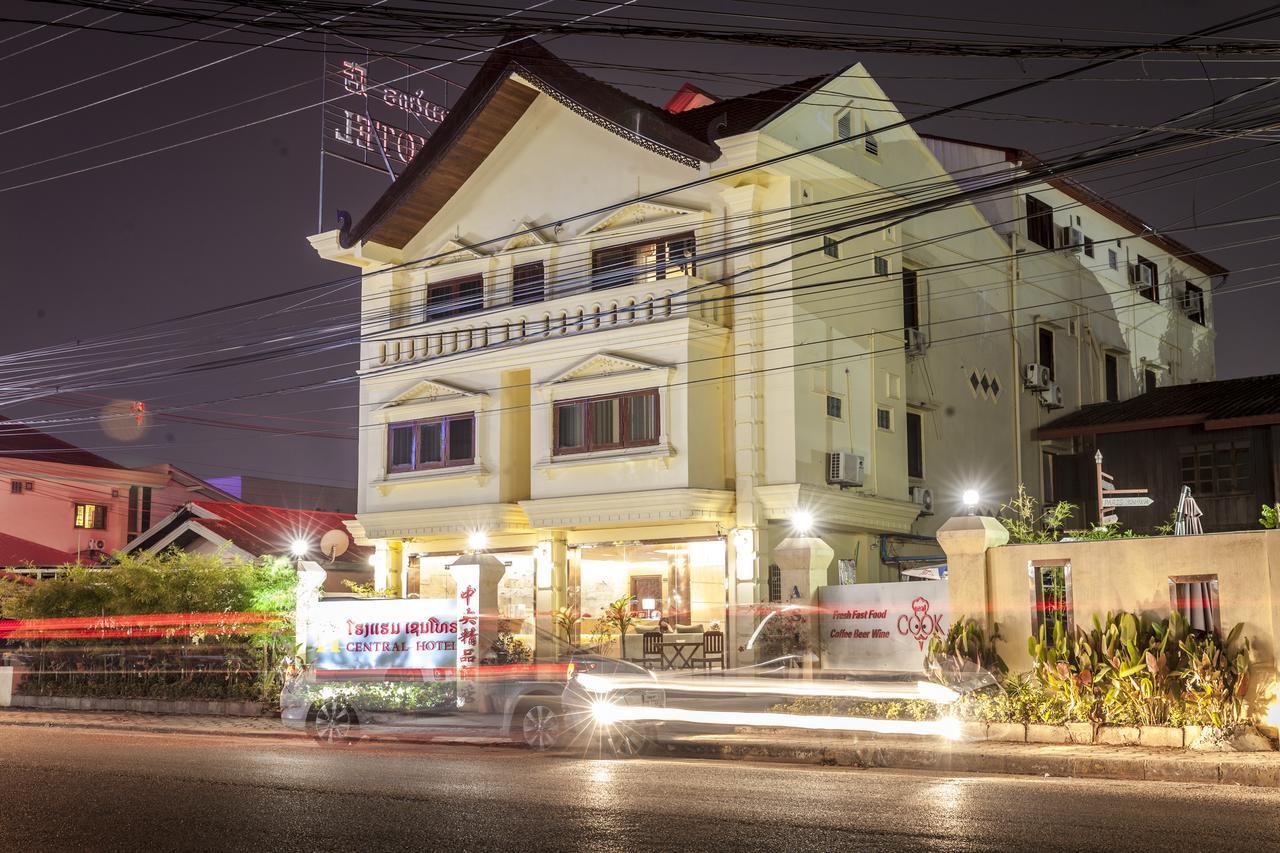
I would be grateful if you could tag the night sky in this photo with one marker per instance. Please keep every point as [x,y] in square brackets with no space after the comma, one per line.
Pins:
[226,219]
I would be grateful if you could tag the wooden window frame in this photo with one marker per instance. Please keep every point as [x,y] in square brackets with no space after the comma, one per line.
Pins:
[447,295]
[919,418]
[624,422]
[415,428]
[635,273]
[1194,293]
[1235,447]
[526,298]
[1051,363]
[99,520]
[1109,359]
[1039,223]
[910,302]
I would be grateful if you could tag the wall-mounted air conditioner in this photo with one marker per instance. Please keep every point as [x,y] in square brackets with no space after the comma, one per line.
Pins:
[917,343]
[96,545]
[1036,377]
[924,497]
[1051,397]
[845,469]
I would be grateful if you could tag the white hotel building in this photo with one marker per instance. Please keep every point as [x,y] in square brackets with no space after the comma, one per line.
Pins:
[641,401]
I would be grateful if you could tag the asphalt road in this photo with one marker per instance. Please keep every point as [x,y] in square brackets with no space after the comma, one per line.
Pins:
[63,789]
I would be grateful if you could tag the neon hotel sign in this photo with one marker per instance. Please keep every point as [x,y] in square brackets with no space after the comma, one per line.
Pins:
[360,130]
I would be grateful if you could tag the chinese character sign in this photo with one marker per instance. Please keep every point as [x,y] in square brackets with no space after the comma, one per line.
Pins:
[419,633]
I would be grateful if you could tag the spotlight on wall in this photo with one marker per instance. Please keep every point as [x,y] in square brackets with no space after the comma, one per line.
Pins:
[802,522]
[970,498]
[477,540]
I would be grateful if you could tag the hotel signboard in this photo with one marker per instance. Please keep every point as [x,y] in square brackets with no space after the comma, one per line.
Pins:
[415,633]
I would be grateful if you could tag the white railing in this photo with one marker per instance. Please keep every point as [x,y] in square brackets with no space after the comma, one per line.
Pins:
[645,302]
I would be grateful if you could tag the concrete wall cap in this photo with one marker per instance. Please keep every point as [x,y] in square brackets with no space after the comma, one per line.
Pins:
[972,533]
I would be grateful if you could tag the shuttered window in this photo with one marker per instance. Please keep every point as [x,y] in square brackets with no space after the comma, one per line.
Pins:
[606,423]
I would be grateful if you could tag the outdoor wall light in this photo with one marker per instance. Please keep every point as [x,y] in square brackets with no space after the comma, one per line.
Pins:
[299,547]
[970,498]
[802,522]
[477,540]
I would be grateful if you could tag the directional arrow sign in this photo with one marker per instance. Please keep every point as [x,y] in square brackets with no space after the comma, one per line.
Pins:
[1110,519]
[1111,502]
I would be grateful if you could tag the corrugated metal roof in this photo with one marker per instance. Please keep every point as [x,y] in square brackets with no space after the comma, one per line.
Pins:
[1226,403]
[19,441]
[15,551]
[263,530]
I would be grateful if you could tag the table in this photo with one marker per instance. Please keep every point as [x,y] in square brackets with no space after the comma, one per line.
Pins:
[677,652]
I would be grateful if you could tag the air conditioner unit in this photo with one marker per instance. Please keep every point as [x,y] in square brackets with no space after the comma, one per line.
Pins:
[845,469]
[924,497]
[1075,238]
[1051,396]
[1036,377]
[96,545]
[1140,275]
[917,343]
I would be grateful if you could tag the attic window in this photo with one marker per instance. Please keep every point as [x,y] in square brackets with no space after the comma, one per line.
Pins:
[844,124]
[871,144]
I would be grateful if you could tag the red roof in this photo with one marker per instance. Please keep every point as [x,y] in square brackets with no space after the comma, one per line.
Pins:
[19,441]
[263,530]
[20,552]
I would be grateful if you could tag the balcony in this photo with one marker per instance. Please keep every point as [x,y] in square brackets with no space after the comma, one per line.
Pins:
[653,301]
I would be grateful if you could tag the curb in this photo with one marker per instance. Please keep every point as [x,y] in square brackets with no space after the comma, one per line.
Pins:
[1203,769]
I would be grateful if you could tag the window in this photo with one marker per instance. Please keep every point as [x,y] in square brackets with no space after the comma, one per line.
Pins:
[1196,598]
[1045,350]
[1051,598]
[1088,247]
[775,584]
[915,445]
[431,443]
[1039,223]
[1217,468]
[1047,496]
[15,487]
[1149,380]
[1193,303]
[528,283]
[835,407]
[139,509]
[606,423]
[1146,277]
[455,296]
[844,125]
[884,419]
[830,247]
[881,265]
[871,144]
[1113,259]
[91,516]
[651,260]
[1112,378]
[910,303]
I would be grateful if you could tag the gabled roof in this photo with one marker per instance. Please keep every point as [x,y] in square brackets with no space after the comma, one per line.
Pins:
[747,112]
[19,441]
[256,530]
[1224,404]
[488,108]
[1107,208]
[15,551]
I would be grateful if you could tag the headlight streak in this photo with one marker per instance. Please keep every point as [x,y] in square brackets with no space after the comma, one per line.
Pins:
[604,684]
[948,727]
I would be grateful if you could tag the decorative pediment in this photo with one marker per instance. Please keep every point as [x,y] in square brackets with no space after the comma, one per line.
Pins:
[451,252]
[431,391]
[641,212]
[530,239]
[603,364]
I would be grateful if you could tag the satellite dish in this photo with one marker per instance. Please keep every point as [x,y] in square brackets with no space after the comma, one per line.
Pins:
[334,543]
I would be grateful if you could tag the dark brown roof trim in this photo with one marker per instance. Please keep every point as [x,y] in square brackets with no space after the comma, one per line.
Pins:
[1109,209]
[1047,432]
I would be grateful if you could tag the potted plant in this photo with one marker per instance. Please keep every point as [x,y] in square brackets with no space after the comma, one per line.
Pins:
[619,617]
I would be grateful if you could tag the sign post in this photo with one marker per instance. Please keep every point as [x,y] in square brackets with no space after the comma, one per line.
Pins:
[1109,497]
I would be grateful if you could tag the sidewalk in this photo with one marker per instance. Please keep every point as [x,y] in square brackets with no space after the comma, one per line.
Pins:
[1260,769]
[1135,763]
[479,730]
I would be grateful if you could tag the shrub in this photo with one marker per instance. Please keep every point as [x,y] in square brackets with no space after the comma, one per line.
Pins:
[1026,524]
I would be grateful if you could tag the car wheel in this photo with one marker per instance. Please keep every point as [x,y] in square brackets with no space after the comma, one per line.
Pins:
[333,721]
[540,726]
[627,741]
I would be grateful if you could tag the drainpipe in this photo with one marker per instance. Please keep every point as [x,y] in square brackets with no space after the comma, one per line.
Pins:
[875,429]
[1013,354]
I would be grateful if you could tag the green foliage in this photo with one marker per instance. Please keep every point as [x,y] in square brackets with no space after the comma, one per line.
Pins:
[1166,528]
[388,695]
[171,582]
[965,648]
[368,590]
[1216,675]
[1106,531]
[566,620]
[1270,518]
[785,632]
[1026,524]
[13,594]
[507,649]
[617,619]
